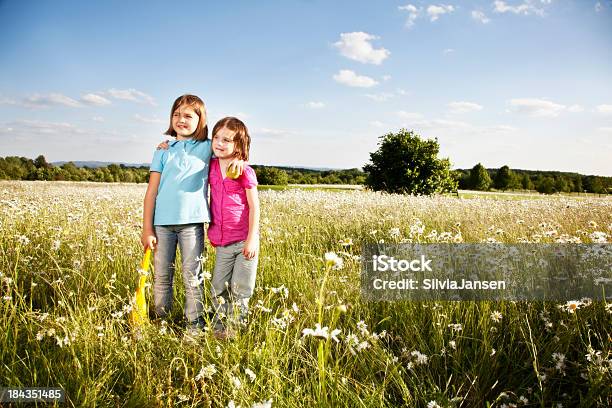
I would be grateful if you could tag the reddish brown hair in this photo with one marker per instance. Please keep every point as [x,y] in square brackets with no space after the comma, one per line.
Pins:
[241,135]
[201,132]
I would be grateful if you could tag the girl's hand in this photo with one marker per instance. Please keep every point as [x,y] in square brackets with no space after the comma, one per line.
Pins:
[251,247]
[238,165]
[163,145]
[148,239]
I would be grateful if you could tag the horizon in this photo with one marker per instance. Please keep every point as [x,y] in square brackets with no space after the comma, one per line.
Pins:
[128,164]
[496,82]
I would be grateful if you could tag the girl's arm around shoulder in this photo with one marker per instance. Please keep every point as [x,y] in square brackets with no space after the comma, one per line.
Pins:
[251,246]
[148,238]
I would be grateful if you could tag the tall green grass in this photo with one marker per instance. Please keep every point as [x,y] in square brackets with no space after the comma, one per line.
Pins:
[69,255]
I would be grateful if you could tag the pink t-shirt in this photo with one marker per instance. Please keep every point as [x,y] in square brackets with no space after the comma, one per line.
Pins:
[228,205]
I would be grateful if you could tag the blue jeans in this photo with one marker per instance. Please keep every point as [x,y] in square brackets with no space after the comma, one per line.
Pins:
[232,284]
[190,239]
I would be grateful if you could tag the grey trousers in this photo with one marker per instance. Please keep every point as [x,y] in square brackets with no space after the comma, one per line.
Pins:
[232,284]
[190,240]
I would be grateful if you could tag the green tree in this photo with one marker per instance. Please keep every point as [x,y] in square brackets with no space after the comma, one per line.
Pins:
[272,176]
[404,163]
[503,178]
[71,172]
[545,184]
[479,178]
[577,184]
[41,163]
[526,182]
[597,185]
[561,185]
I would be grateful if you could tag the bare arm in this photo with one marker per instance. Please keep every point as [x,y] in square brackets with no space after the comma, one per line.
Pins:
[148,238]
[251,246]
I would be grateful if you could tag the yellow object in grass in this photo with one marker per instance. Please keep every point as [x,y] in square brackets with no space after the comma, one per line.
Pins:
[232,172]
[140,311]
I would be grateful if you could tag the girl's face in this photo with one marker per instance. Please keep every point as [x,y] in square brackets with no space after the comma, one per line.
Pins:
[223,144]
[185,121]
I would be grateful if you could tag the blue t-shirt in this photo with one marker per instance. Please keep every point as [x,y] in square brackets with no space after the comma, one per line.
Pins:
[182,195]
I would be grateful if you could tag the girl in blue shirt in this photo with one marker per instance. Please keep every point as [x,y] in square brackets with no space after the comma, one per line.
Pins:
[176,206]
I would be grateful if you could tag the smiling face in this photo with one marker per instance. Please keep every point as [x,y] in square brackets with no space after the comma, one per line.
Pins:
[224,146]
[185,121]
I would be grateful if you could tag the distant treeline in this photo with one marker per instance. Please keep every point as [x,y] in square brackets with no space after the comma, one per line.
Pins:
[22,168]
[477,178]
[547,182]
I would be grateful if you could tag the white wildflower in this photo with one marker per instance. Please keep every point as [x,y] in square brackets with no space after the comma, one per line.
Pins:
[363,345]
[559,360]
[321,332]
[263,404]
[206,372]
[496,316]
[236,383]
[250,373]
[196,280]
[419,357]
[363,328]
[456,327]
[332,260]
[571,306]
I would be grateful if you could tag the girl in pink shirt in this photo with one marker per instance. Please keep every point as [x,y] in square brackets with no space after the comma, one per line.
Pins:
[234,228]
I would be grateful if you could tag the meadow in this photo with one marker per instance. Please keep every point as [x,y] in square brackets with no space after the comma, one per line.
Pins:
[69,260]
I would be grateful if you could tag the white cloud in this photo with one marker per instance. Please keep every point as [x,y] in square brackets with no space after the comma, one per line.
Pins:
[409,115]
[464,107]
[605,109]
[434,12]
[381,97]
[480,16]
[47,101]
[357,46]
[315,105]
[598,7]
[526,8]
[98,119]
[441,124]
[500,128]
[131,95]
[37,127]
[448,51]
[536,107]
[350,78]
[94,99]
[413,13]
[377,124]
[144,119]
[8,101]
[401,91]
[605,130]
[386,77]
[453,126]
[575,109]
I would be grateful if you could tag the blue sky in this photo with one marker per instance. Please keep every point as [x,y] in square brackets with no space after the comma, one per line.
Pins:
[527,83]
